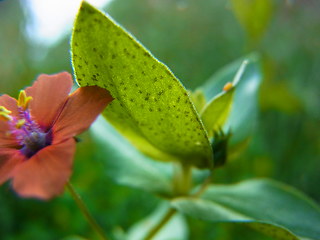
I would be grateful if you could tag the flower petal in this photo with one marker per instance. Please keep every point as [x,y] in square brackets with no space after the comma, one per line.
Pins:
[11,104]
[49,93]
[81,109]
[9,159]
[45,174]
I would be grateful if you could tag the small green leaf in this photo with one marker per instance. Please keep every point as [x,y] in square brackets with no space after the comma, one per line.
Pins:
[127,166]
[244,110]
[175,229]
[198,99]
[268,206]
[217,111]
[151,107]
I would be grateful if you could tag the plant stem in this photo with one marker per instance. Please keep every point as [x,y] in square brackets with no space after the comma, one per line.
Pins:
[182,179]
[163,221]
[85,211]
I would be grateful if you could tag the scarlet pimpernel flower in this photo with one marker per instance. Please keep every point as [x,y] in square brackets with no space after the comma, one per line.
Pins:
[37,133]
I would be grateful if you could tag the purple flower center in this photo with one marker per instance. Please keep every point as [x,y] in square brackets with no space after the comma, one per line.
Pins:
[28,133]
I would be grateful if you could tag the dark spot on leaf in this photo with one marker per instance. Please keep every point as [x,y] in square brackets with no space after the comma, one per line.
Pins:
[95,65]
[161,92]
[131,76]
[94,49]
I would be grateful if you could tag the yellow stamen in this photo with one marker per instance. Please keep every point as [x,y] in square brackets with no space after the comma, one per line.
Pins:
[228,86]
[5,114]
[20,123]
[23,100]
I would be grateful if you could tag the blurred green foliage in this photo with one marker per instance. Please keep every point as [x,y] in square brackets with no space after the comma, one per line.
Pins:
[195,39]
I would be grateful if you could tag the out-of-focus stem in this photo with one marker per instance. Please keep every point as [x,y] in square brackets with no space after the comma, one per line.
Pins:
[85,211]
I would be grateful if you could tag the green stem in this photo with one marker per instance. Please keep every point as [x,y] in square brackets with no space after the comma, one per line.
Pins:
[182,185]
[85,211]
[162,222]
[182,179]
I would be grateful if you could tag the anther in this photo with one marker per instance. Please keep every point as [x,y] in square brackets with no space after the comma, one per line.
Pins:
[5,114]
[23,100]
[20,123]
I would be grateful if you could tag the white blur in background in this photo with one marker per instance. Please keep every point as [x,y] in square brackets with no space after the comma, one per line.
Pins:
[50,20]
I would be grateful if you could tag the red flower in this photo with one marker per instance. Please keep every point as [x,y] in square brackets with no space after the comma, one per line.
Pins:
[37,133]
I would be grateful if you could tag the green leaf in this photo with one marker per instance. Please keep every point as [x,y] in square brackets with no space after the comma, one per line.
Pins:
[175,229]
[216,112]
[244,110]
[198,100]
[151,107]
[268,206]
[127,166]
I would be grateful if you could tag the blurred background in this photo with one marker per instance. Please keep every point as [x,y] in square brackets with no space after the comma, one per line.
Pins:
[195,38]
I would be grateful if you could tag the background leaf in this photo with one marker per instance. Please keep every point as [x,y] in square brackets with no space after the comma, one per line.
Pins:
[151,107]
[262,204]
[126,165]
[253,15]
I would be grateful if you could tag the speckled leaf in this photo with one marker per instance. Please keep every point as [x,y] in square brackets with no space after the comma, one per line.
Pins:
[265,205]
[151,107]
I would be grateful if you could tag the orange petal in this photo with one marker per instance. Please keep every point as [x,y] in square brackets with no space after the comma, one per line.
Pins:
[81,109]
[44,175]
[9,159]
[49,93]
[11,104]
